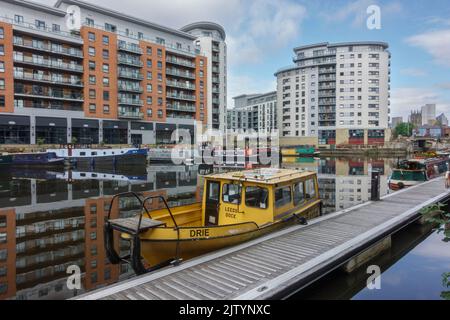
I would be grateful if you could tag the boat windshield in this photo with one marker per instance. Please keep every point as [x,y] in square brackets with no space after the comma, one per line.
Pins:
[409,175]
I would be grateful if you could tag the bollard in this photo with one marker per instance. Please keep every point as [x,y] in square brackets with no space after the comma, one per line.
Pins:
[375,186]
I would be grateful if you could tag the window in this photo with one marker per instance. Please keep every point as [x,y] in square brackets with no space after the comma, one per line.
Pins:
[2,50]
[149,100]
[256,197]
[110,27]
[140,35]
[231,193]
[160,41]
[160,101]
[282,196]
[92,79]
[105,68]
[2,33]
[92,107]
[149,87]
[299,196]
[159,88]
[149,63]
[213,191]
[159,65]
[40,24]
[18,19]
[89,22]
[91,65]
[92,51]
[149,51]
[91,36]
[106,108]
[91,93]
[160,113]
[56,28]
[159,51]
[310,189]
[106,81]
[2,101]
[2,84]
[149,75]
[105,54]
[149,112]
[105,40]
[106,95]
[2,66]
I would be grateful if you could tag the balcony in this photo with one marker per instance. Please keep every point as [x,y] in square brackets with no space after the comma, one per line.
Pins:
[48,79]
[130,101]
[179,73]
[181,62]
[123,87]
[48,94]
[327,78]
[129,47]
[216,101]
[215,59]
[173,95]
[215,48]
[327,94]
[215,80]
[50,105]
[179,116]
[72,52]
[130,75]
[327,101]
[181,107]
[215,69]
[130,114]
[180,84]
[130,62]
[215,90]
[51,64]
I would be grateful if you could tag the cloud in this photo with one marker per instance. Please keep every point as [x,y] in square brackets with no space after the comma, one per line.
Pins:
[414,72]
[436,43]
[244,84]
[404,100]
[444,85]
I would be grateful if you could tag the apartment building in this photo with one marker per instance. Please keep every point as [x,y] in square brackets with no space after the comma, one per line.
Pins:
[428,114]
[257,112]
[95,75]
[210,38]
[338,93]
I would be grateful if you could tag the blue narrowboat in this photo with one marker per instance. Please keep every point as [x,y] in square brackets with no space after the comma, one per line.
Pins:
[42,159]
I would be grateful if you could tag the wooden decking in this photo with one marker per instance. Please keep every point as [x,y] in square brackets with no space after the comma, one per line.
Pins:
[280,263]
[131,225]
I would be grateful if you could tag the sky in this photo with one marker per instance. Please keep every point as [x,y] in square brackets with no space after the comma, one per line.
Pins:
[261,35]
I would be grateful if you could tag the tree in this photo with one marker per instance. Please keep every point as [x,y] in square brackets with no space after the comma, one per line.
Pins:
[404,129]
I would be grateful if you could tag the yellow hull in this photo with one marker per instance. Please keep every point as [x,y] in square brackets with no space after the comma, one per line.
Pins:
[160,244]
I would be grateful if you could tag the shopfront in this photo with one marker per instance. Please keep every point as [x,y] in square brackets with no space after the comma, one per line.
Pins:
[51,130]
[115,132]
[85,131]
[14,129]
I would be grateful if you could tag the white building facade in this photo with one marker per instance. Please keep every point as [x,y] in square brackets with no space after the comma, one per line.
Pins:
[257,112]
[338,93]
[211,40]
[428,114]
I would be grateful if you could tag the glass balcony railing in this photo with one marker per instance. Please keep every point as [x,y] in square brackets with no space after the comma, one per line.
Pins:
[48,48]
[130,114]
[181,62]
[180,84]
[179,73]
[181,107]
[49,94]
[48,63]
[130,75]
[131,62]
[123,46]
[123,87]
[130,101]
[48,79]
[174,95]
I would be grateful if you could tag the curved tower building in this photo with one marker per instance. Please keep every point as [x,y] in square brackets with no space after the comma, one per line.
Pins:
[211,39]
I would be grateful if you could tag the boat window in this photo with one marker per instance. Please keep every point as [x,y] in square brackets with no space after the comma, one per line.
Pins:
[282,196]
[409,175]
[213,191]
[310,189]
[231,193]
[93,153]
[299,195]
[256,197]
[82,153]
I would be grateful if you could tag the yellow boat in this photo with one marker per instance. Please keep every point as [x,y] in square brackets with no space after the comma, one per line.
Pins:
[236,207]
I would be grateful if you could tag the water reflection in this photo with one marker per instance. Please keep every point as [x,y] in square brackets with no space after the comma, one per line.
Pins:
[52,219]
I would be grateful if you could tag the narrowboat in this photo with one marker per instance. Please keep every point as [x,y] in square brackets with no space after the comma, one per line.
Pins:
[417,170]
[236,207]
[92,158]
[38,159]
[299,151]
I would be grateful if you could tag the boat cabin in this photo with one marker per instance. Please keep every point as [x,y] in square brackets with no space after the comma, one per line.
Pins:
[262,196]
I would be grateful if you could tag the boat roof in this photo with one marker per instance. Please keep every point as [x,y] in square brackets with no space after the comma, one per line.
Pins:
[263,175]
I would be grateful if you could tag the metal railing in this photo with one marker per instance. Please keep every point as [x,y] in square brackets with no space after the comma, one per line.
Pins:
[48,48]
[179,84]
[174,95]
[47,79]
[176,72]
[181,62]
[48,63]
[181,107]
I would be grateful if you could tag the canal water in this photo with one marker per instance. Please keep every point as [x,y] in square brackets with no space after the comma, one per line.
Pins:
[50,220]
